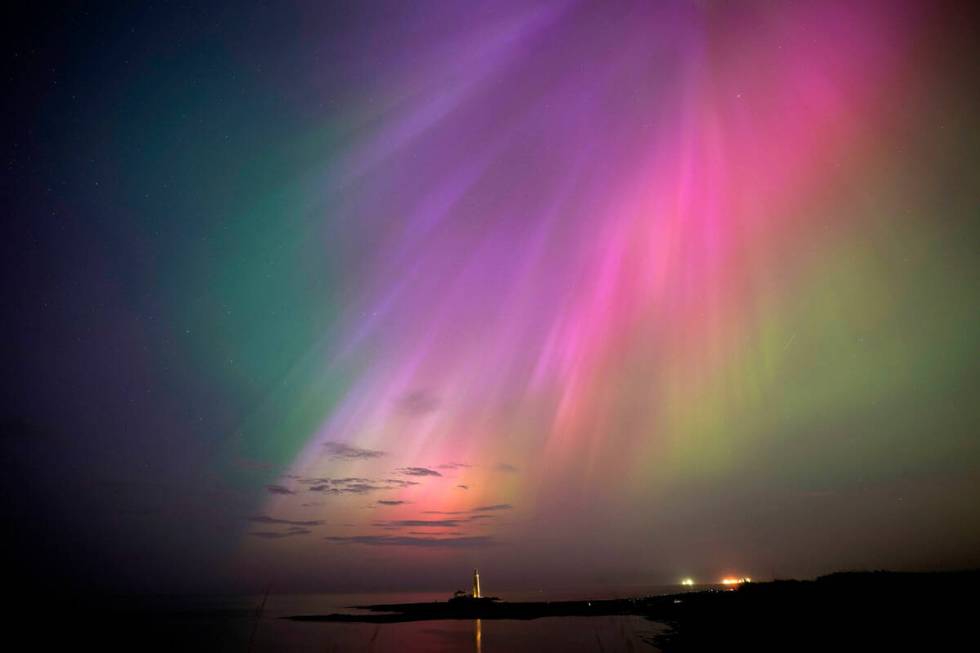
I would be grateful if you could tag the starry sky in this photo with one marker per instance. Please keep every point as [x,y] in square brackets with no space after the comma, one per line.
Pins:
[350,296]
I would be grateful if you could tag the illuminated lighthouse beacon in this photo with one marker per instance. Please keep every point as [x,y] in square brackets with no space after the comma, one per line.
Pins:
[461,598]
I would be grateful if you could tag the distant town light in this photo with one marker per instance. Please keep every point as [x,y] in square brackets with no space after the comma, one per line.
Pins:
[735,581]
[687,581]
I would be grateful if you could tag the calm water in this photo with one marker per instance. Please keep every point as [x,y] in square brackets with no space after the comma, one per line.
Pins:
[227,624]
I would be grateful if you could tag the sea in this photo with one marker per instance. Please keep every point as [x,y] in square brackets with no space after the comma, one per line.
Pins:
[257,624]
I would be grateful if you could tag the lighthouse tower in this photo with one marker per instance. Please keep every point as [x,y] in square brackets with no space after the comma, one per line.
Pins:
[476,583]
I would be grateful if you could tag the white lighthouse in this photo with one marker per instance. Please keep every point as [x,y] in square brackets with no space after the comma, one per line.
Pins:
[476,583]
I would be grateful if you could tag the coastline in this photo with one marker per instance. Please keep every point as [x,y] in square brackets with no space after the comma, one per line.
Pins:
[843,611]
[401,612]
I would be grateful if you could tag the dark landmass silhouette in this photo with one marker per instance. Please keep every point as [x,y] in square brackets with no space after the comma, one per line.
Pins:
[888,611]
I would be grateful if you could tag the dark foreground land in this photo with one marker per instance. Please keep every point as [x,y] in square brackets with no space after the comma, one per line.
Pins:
[866,611]
[876,611]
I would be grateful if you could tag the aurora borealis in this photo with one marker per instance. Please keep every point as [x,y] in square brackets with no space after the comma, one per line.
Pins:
[362,295]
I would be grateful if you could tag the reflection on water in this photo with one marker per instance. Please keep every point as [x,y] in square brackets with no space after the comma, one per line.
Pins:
[230,624]
[569,634]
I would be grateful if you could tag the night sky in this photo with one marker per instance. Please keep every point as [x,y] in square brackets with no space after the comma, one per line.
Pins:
[362,295]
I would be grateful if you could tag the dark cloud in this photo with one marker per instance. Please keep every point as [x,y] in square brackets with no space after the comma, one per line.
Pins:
[492,508]
[397,482]
[464,487]
[390,502]
[341,451]
[417,471]
[451,522]
[406,540]
[273,535]
[416,523]
[278,489]
[362,488]
[505,467]
[264,519]
[454,466]
[353,488]
[356,485]
[431,533]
